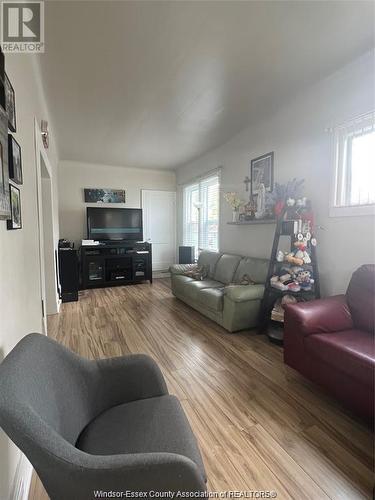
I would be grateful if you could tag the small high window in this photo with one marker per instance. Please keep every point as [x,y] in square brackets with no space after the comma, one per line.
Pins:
[354,179]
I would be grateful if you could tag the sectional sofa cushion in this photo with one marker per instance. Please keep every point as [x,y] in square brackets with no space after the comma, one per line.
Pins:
[243,293]
[180,281]
[226,267]
[212,298]
[181,268]
[209,259]
[256,269]
[192,288]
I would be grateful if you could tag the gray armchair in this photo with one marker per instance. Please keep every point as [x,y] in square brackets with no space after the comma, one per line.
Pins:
[106,425]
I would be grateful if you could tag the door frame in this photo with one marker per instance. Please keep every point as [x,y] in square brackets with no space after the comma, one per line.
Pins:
[170,191]
[40,153]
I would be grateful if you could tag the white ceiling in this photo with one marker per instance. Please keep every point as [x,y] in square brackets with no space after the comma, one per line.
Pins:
[156,83]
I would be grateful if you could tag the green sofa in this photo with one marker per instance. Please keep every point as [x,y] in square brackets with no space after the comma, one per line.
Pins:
[231,305]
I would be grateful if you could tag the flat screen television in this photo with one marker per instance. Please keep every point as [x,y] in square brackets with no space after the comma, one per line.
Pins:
[114,224]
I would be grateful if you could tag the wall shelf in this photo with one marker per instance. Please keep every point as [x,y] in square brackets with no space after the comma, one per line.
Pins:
[252,222]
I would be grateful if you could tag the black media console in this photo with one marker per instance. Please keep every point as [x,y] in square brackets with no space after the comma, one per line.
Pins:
[116,264]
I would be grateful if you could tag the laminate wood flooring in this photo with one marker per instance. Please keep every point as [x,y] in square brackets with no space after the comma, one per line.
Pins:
[260,425]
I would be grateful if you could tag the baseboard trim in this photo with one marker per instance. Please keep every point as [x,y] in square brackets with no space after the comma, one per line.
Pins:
[161,273]
[22,479]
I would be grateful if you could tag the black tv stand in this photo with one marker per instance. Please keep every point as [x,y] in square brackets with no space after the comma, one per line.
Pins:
[116,263]
[115,243]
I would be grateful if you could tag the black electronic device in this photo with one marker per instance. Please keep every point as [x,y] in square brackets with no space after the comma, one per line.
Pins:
[65,244]
[69,274]
[114,224]
[186,255]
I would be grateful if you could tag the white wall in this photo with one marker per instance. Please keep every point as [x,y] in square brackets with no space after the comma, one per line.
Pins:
[75,176]
[296,133]
[20,298]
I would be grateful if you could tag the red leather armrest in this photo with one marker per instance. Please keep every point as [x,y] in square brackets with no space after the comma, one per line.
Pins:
[318,316]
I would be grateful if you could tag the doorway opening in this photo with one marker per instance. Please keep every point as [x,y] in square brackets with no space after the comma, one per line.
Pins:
[50,302]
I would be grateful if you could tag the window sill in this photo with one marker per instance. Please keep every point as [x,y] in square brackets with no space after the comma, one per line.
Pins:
[359,210]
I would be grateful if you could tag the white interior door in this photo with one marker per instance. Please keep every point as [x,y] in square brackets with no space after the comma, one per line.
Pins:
[159,226]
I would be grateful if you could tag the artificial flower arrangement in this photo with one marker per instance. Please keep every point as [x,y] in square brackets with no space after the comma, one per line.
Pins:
[233,200]
[235,203]
[283,194]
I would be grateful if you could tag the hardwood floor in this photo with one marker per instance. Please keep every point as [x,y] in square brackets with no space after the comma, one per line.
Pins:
[260,425]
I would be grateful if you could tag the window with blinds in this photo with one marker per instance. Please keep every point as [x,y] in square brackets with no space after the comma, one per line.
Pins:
[201,214]
[355,164]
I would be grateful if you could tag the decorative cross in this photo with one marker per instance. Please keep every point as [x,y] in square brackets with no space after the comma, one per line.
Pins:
[247,182]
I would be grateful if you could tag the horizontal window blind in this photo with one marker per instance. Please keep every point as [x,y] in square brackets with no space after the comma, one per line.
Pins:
[191,215]
[201,214]
[209,214]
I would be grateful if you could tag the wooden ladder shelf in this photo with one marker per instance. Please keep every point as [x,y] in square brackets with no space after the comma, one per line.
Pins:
[286,227]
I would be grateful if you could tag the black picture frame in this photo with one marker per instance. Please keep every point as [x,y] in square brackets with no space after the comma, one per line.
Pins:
[5,212]
[2,76]
[10,104]
[15,222]
[2,64]
[14,160]
[261,172]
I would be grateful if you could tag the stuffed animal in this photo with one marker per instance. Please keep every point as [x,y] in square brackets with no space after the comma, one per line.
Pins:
[293,260]
[304,279]
[285,281]
[299,256]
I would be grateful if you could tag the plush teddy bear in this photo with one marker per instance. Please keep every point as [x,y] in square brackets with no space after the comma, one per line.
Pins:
[305,280]
[299,256]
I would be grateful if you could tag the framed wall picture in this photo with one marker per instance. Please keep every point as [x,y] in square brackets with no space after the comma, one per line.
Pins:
[4,171]
[2,64]
[14,160]
[95,195]
[15,221]
[261,172]
[10,104]
[2,95]
[2,77]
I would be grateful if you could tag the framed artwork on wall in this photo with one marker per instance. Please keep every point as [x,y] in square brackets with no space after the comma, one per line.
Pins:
[261,172]
[2,95]
[14,160]
[2,84]
[10,103]
[96,195]
[15,221]
[4,172]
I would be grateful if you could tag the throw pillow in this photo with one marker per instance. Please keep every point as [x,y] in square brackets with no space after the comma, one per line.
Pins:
[198,273]
[245,280]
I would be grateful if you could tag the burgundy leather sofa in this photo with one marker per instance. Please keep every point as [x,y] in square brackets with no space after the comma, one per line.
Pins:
[331,342]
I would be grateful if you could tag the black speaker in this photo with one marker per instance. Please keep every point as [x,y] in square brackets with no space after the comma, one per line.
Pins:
[186,255]
[69,274]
